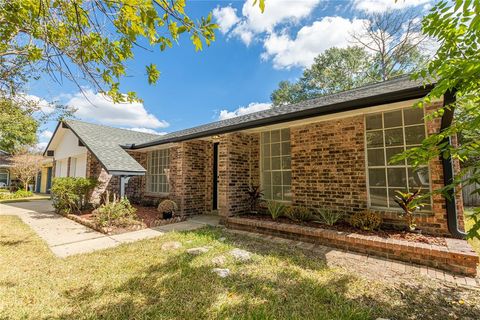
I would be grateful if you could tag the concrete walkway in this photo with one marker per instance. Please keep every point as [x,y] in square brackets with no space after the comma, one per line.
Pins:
[66,237]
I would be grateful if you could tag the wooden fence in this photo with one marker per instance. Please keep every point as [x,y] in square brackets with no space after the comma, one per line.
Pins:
[469,199]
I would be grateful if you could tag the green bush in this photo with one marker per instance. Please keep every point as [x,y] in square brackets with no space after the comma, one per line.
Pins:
[275,209]
[71,194]
[15,195]
[365,220]
[118,212]
[299,214]
[328,216]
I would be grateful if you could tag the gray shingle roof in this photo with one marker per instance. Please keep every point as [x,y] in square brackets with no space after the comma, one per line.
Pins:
[106,144]
[397,89]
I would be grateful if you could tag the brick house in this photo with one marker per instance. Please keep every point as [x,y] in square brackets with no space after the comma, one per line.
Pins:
[329,152]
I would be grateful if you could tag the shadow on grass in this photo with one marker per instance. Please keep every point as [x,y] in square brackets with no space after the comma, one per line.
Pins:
[182,288]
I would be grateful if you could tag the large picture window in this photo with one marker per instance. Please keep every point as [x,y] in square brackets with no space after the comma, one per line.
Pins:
[388,134]
[157,167]
[276,165]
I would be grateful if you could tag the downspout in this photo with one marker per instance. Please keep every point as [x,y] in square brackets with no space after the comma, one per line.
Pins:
[448,170]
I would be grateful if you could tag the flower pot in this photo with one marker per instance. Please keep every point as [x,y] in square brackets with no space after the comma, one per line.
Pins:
[167,215]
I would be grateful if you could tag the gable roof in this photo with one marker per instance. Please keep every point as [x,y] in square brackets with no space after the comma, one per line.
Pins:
[4,159]
[106,144]
[395,90]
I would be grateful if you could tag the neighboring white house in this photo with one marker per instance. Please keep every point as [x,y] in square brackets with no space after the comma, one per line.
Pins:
[67,145]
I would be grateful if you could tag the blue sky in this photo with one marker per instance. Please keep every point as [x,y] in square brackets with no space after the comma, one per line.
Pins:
[235,75]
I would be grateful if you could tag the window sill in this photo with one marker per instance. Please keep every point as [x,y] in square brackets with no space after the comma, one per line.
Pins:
[157,194]
[420,213]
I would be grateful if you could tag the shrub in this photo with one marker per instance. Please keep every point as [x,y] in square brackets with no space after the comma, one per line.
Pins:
[15,195]
[299,213]
[365,220]
[328,216]
[23,194]
[71,194]
[409,202]
[254,196]
[167,206]
[276,209]
[117,212]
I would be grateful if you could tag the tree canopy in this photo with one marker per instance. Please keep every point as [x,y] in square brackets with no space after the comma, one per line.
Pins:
[90,41]
[455,68]
[388,45]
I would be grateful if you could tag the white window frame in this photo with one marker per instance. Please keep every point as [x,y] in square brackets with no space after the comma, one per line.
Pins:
[393,206]
[153,181]
[281,170]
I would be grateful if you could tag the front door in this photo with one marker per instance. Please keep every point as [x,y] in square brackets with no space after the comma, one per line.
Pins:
[215,177]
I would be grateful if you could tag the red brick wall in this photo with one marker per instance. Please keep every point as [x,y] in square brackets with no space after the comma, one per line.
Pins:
[328,171]
[238,169]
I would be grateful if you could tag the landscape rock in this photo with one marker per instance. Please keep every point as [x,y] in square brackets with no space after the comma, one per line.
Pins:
[219,260]
[241,255]
[222,239]
[222,273]
[197,251]
[171,245]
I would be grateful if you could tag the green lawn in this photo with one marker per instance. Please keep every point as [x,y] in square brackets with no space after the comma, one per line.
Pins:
[32,198]
[140,281]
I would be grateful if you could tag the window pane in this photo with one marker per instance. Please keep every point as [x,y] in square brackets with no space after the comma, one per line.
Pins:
[266,164]
[287,193]
[375,139]
[286,163]
[376,177]
[267,178]
[397,177]
[277,193]
[378,197]
[392,192]
[392,152]
[267,192]
[418,178]
[413,116]
[376,157]
[393,119]
[374,121]
[276,165]
[285,134]
[414,135]
[287,178]
[275,136]
[266,137]
[266,150]
[394,137]
[277,178]
[286,148]
[275,149]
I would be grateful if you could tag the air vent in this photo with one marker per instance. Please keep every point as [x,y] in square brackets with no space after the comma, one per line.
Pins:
[80,143]
[50,153]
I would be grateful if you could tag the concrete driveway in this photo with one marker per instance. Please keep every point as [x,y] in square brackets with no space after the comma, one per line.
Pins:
[66,237]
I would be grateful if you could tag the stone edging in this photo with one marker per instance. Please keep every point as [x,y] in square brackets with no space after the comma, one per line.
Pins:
[457,257]
[91,225]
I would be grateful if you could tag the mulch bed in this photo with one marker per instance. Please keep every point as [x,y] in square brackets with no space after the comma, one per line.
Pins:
[148,217]
[345,227]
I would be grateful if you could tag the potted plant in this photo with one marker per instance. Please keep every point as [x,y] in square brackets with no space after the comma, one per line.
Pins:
[167,208]
[409,202]
[254,194]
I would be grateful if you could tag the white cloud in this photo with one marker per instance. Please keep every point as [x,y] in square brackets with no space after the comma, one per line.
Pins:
[40,146]
[310,41]
[252,107]
[254,22]
[96,107]
[226,18]
[47,134]
[147,130]
[376,6]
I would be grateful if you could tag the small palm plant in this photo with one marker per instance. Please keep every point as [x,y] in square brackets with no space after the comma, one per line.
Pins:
[409,202]
[255,194]
[276,209]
